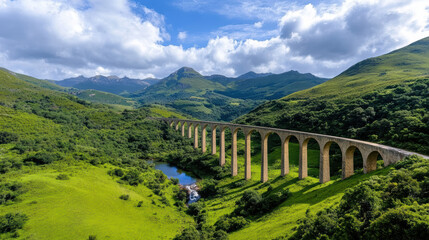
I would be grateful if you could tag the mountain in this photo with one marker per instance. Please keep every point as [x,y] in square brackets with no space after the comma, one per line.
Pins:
[63,161]
[374,73]
[191,93]
[250,75]
[383,99]
[111,84]
[217,97]
[271,86]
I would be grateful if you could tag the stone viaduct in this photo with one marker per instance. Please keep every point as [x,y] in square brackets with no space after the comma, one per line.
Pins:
[370,151]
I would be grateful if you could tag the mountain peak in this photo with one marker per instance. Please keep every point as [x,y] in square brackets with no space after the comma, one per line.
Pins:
[186,72]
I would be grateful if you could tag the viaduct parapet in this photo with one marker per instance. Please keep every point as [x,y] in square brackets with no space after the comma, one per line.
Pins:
[370,151]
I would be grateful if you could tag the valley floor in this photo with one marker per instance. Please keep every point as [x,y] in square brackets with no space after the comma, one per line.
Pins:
[89,204]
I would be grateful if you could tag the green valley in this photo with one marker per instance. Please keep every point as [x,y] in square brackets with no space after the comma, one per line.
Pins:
[214,120]
[77,169]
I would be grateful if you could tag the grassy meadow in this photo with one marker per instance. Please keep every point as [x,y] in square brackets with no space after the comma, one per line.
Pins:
[88,204]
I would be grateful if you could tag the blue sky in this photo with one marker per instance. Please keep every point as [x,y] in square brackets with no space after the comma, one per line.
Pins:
[56,39]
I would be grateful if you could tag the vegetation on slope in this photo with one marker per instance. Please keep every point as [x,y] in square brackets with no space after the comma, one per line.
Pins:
[390,110]
[218,97]
[395,116]
[111,84]
[395,206]
[67,154]
[408,63]
[271,87]
[102,97]
[189,92]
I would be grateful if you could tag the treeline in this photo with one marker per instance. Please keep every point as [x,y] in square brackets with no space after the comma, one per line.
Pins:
[395,116]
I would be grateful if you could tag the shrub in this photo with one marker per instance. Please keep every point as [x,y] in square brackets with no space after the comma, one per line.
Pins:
[140,204]
[175,181]
[190,233]
[124,197]
[220,235]
[165,201]
[92,237]
[209,188]
[274,199]
[116,172]
[132,177]
[239,183]
[11,222]
[249,204]
[8,164]
[9,192]
[7,137]
[160,176]
[63,176]
[195,208]
[230,224]
[182,195]
[43,158]
[253,203]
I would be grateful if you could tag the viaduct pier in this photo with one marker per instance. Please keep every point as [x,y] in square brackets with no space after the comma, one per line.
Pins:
[370,151]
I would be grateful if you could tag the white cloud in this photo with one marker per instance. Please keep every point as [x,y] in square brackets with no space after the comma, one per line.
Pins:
[58,38]
[354,29]
[182,35]
[258,24]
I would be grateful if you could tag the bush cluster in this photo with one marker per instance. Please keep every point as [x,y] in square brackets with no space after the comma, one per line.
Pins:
[8,137]
[62,176]
[395,206]
[124,197]
[252,203]
[11,222]
[9,192]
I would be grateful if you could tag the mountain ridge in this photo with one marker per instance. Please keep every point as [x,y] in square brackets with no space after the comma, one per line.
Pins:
[112,84]
[217,97]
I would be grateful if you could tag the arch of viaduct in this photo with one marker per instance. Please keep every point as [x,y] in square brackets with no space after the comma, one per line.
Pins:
[370,151]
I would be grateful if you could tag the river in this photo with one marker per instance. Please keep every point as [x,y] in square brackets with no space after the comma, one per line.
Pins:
[185,179]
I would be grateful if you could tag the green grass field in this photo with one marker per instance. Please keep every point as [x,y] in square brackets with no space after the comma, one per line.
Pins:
[88,204]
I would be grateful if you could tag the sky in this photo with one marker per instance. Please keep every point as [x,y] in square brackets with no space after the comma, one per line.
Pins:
[57,39]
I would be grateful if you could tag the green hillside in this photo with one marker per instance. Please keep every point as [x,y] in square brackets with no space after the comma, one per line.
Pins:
[42,83]
[382,99]
[189,92]
[102,97]
[273,86]
[65,163]
[71,169]
[217,97]
[88,204]
[408,63]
